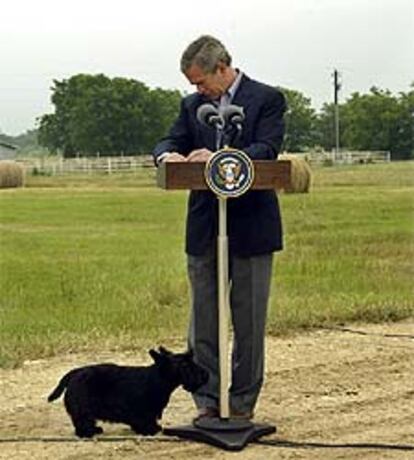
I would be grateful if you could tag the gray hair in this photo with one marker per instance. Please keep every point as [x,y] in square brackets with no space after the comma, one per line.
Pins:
[205,52]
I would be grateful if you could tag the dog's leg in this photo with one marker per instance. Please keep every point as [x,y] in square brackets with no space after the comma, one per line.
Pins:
[147,426]
[81,415]
[85,424]
[85,427]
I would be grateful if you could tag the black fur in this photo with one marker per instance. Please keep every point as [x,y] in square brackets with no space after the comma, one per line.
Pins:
[135,396]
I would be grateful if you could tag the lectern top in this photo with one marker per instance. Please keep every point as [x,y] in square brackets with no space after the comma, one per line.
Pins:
[269,174]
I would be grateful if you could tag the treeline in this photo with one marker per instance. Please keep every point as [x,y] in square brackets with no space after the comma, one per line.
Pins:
[95,115]
[374,121]
[98,115]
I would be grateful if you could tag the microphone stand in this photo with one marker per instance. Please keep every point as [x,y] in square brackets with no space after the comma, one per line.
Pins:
[223,294]
[223,139]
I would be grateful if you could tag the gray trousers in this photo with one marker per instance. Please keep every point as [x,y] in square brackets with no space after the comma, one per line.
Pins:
[250,285]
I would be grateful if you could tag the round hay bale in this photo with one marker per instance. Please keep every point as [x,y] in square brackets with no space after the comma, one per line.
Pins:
[11,174]
[301,173]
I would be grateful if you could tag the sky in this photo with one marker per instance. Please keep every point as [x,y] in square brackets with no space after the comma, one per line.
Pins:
[290,43]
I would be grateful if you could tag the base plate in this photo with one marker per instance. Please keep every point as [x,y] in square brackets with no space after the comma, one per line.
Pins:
[222,424]
[228,434]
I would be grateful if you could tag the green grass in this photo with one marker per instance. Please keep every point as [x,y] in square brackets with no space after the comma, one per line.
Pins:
[97,261]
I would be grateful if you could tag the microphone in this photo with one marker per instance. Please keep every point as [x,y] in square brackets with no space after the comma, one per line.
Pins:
[208,115]
[233,115]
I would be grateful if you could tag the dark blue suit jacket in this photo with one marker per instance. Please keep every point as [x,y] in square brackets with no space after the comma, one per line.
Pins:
[254,223]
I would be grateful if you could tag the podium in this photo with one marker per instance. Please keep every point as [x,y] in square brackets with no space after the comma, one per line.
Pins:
[223,431]
[269,174]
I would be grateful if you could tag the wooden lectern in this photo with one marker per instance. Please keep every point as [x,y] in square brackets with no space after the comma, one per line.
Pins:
[223,432]
[179,176]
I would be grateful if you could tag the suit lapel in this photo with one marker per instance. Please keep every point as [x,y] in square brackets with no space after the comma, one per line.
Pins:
[244,96]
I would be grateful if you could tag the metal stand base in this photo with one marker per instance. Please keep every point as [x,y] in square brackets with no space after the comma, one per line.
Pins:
[228,434]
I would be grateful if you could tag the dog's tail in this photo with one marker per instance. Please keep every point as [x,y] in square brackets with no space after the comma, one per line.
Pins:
[56,393]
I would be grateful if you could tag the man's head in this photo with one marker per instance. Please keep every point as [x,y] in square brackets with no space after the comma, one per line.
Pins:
[207,64]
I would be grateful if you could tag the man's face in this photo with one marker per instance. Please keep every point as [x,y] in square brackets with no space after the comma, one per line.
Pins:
[211,85]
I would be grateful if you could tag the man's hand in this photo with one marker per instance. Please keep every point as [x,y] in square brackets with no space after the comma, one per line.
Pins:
[199,155]
[174,157]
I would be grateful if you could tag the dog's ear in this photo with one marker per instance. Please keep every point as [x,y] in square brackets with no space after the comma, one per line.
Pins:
[155,356]
[164,351]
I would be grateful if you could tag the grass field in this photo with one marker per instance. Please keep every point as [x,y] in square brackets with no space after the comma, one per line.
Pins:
[90,262]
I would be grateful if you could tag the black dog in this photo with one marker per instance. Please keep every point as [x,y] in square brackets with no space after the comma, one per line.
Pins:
[135,396]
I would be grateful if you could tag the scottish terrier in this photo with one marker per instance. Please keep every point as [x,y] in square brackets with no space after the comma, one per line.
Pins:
[135,396]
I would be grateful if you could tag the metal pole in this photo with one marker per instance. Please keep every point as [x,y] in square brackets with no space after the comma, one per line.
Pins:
[336,131]
[337,86]
[223,307]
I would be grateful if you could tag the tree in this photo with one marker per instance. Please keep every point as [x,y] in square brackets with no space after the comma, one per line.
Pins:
[404,141]
[96,114]
[374,121]
[370,120]
[325,127]
[300,121]
[163,106]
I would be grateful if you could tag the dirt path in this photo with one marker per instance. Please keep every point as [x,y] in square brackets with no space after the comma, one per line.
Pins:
[333,395]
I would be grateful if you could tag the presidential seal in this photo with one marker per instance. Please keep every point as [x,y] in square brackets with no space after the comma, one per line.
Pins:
[229,173]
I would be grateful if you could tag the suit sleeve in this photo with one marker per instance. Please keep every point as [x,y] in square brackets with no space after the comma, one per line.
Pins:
[179,138]
[269,128]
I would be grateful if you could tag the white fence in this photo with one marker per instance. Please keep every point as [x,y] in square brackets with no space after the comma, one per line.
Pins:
[347,157]
[107,165]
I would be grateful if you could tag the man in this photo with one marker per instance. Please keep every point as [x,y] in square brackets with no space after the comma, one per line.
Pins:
[254,225]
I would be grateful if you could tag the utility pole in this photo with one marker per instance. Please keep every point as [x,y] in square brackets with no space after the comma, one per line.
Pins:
[337,87]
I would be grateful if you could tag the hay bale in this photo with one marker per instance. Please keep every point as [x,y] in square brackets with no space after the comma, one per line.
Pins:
[301,173]
[11,174]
